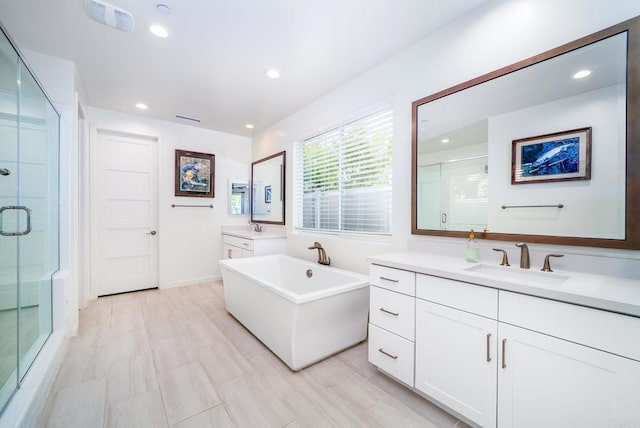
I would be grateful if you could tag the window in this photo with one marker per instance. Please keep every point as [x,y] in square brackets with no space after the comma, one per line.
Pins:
[343,177]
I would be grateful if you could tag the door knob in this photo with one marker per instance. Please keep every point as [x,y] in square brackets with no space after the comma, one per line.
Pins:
[4,171]
[152,233]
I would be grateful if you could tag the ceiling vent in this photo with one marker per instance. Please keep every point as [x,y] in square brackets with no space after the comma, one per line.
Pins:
[109,14]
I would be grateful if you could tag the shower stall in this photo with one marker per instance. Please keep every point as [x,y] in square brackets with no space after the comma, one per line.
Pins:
[29,217]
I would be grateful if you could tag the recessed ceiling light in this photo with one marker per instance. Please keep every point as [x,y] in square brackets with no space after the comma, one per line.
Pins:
[582,73]
[163,9]
[159,31]
[142,106]
[249,126]
[273,73]
[444,140]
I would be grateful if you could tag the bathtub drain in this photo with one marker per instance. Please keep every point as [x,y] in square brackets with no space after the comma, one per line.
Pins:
[309,273]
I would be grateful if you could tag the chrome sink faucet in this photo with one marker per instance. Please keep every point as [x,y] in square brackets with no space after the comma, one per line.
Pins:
[322,255]
[256,227]
[524,255]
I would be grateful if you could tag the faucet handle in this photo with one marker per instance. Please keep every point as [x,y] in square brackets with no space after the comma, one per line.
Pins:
[505,259]
[547,266]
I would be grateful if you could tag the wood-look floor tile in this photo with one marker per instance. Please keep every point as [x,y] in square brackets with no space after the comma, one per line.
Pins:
[143,411]
[222,362]
[131,377]
[126,322]
[339,415]
[79,405]
[357,358]
[159,309]
[201,334]
[81,366]
[164,328]
[413,401]
[390,413]
[172,353]
[271,380]
[247,405]
[187,392]
[216,417]
[127,345]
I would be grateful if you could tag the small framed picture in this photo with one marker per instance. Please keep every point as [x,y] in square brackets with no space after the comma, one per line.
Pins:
[561,156]
[194,174]
[267,194]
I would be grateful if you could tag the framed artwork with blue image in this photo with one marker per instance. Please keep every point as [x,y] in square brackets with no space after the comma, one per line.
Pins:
[560,156]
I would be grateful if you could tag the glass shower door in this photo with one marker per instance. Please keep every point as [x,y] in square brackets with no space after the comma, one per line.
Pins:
[29,218]
[8,197]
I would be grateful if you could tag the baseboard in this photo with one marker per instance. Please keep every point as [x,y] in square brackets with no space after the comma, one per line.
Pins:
[192,281]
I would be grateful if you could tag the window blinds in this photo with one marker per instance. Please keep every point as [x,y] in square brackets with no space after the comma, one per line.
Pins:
[343,177]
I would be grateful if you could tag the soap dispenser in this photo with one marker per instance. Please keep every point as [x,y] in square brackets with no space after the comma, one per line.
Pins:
[472,251]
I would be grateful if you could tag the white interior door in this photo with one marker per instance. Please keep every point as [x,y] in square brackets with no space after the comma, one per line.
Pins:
[125,202]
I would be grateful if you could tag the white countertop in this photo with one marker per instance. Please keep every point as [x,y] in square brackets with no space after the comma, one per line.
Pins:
[598,291]
[250,234]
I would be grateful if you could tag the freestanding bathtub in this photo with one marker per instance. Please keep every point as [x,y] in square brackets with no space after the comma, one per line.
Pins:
[302,311]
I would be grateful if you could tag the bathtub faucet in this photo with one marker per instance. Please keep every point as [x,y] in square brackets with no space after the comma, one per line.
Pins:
[322,256]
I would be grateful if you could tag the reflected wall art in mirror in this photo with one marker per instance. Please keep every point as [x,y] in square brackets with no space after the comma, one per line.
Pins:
[564,122]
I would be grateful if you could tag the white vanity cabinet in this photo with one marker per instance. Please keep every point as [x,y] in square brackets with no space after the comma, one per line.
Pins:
[234,247]
[392,321]
[499,358]
[576,363]
[456,346]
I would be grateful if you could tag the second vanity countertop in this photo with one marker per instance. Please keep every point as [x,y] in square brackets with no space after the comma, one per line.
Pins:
[250,234]
[598,291]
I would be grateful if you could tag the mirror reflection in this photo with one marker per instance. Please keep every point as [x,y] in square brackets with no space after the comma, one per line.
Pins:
[267,189]
[465,140]
[238,197]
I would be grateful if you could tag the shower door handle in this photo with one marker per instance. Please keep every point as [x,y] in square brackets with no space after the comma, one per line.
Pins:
[15,207]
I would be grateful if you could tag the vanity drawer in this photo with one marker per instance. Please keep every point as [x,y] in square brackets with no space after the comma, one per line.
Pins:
[607,331]
[392,311]
[391,353]
[246,244]
[398,280]
[471,298]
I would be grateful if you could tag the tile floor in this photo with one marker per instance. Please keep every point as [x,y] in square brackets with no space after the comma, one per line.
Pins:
[177,358]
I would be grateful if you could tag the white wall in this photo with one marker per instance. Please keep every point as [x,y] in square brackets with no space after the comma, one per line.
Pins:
[493,36]
[591,208]
[190,240]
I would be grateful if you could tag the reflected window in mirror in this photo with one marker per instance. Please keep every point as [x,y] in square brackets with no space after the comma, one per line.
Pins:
[238,197]
[462,140]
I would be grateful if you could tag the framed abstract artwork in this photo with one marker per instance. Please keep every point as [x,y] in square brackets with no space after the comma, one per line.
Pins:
[560,156]
[194,174]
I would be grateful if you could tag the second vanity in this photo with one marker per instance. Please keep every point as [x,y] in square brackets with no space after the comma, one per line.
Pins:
[237,243]
[508,347]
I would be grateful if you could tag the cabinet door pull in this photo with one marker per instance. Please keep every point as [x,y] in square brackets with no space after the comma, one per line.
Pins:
[395,314]
[488,347]
[229,252]
[388,279]
[504,346]
[395,357]
[245,244]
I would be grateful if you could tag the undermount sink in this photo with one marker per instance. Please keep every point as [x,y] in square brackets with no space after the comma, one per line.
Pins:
[517,275]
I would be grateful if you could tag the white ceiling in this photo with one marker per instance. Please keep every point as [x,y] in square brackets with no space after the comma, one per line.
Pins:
[212,66]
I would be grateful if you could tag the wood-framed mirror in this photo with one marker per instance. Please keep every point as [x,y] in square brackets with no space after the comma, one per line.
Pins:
[268,189]
[534,152]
